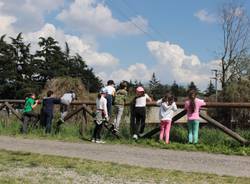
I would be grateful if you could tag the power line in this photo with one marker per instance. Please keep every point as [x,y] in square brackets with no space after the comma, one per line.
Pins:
[137,26]
[150,25]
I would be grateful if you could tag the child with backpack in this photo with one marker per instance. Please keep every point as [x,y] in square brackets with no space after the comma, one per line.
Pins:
[120,99]
[139,109]
[101,115]
[193,105]
[166,113]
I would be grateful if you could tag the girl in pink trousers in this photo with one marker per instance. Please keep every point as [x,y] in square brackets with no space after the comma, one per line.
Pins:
[166,113]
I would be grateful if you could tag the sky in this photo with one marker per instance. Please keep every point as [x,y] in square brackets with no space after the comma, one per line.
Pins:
[178,40]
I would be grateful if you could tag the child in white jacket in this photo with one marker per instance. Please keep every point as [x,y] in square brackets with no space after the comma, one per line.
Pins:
[166,113]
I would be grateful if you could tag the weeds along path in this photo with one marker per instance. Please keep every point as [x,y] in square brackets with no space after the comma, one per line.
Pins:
[144,157]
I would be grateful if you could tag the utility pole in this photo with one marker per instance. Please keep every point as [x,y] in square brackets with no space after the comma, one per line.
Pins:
[216,82]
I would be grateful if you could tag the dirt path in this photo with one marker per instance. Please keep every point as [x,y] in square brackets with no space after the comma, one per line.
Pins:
[144,157]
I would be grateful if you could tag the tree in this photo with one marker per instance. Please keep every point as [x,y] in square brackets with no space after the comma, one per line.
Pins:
[7,69]
[22,72]
[50,60]
[175,89]
[155,87]
[23,66]
[235,26]
[192,86]
[210,89]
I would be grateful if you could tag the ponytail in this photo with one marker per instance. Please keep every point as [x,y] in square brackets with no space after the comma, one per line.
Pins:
[192,96]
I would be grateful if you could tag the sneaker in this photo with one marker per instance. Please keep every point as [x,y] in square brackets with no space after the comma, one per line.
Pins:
[135,136]
[100,141]
[93,140]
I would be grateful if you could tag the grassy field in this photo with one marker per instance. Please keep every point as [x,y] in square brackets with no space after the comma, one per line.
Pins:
[20,167]
[211,140]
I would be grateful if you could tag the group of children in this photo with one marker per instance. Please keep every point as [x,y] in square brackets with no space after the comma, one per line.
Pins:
[108,95]
[109,98]
[46,113]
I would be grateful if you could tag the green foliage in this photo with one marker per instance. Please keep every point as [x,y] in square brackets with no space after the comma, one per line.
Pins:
[210,89]
[177,90]
[192,86]
[22,72]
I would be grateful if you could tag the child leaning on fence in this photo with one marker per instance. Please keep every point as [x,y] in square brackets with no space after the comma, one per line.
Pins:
[110,88]
[66,100]
[139,108]
[101,115]
[193,105]
[120,100]
[47,111]
[28,113]
[166,113]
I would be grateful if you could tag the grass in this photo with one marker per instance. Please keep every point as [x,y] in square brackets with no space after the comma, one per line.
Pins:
[21,167]
[211,140]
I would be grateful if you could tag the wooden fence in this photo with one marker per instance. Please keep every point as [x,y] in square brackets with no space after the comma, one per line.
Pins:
[83,107]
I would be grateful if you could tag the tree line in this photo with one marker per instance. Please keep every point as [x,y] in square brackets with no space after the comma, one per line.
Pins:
[22,71]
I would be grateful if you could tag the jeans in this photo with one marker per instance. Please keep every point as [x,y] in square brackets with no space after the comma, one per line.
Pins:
[28,117]
[118,115]
[165,130]
[193,131]
[97,131]
[47,121]
[109,104]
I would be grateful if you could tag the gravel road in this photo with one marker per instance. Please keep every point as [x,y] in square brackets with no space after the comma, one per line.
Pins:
[131,155]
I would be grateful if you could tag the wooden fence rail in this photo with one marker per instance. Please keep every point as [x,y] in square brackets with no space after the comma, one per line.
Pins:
[179,104]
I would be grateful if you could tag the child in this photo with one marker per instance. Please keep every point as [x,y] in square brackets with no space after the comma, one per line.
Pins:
[28,112]
[167,108]
[193,105]
[101,115]
[110,95]
[66,100]
[47,110]
[120,99]
[140,111]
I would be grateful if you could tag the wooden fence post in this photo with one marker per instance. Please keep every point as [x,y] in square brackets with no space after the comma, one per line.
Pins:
[224,129]
[19,116]
[83,123]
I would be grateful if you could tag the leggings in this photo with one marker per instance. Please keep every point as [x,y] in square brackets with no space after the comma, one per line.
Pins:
[193,131]
[165,130]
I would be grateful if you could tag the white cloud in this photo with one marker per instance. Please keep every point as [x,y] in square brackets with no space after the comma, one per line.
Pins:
[88,16]
[77,45]
[30,13]
[138,71]
[204,16]
[174,64]
[6,22]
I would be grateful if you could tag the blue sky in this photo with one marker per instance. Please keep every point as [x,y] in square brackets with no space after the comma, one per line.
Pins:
[127,39]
